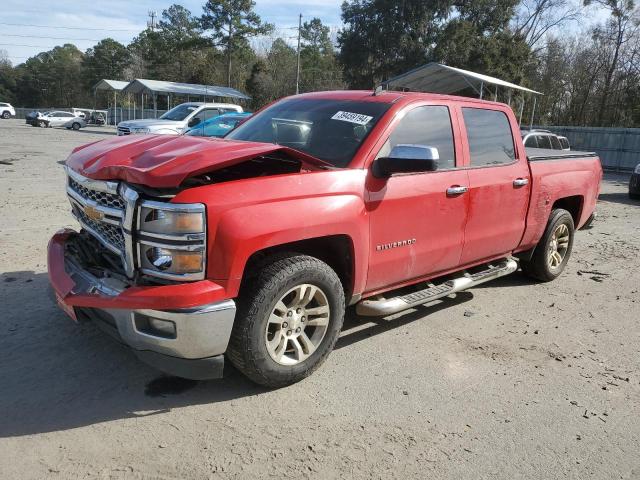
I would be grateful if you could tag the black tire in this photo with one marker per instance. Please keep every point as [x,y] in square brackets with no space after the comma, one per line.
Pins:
[634,196]
[42,124]
[247,349]
[538,267]
[75,126]
[6,115]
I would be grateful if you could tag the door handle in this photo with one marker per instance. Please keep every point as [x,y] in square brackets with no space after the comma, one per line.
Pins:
[520,182]
[456,190]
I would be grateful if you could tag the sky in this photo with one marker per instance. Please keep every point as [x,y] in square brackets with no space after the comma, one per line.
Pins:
[121,20]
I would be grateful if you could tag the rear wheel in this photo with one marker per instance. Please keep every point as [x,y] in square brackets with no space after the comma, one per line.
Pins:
[553,249]
[288,321]
[6,115]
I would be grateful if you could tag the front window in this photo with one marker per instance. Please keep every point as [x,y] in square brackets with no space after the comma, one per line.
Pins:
[331,130]
[180,112]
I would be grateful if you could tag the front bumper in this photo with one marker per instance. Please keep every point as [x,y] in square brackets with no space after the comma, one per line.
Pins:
[202,320]
[634,184]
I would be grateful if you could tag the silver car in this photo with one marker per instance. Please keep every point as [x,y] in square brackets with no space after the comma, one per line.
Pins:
[179,119]
[62,119]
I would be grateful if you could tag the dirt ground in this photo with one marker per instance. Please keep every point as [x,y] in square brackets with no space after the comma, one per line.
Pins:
[510,380]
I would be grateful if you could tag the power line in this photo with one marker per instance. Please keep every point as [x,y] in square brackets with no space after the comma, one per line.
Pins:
[53,38]
[72,28]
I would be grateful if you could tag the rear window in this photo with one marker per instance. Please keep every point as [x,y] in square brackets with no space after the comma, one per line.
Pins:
[489,135]
[555,143]
[565,143]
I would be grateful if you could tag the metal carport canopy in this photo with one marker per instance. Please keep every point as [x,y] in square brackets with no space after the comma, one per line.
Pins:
[116,85]
[158,87]
[438,78]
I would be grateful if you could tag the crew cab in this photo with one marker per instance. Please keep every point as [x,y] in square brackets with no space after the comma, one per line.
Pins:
[250,247]
[179,119]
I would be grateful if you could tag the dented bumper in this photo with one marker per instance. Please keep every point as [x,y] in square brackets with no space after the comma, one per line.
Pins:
[182,329]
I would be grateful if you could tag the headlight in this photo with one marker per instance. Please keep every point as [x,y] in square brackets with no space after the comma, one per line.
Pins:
[637,170]
[172,240]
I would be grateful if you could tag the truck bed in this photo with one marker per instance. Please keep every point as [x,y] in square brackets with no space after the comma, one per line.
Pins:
[569,175]
[539,154]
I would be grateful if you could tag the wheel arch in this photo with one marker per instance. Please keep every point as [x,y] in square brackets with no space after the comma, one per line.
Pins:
[337,251]
[572,204]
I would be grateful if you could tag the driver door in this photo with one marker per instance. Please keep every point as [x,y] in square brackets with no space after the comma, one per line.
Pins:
[416,222]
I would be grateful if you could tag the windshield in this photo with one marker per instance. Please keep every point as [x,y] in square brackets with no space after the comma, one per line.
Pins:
[331,130]
[180,112]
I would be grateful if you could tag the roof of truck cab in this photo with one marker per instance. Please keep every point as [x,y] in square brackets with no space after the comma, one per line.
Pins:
[389,96]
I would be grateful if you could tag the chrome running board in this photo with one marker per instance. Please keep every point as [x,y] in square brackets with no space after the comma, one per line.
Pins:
[388,306]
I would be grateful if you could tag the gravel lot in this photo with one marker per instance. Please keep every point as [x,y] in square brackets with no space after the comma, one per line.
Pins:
[509,380]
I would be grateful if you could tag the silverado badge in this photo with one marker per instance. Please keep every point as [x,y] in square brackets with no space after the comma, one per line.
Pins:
[401,243]
[93,213]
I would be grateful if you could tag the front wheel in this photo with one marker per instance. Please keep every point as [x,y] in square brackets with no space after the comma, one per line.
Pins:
[553,249]
[42,124]
[75,126]
[288,321]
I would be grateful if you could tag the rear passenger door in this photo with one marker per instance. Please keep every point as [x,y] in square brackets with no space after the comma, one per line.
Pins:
[499,185]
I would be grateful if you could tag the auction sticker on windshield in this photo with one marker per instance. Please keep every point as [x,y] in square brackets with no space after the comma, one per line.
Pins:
[350,117]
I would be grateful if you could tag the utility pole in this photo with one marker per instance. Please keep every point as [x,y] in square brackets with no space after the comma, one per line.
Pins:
[298,62]
[152,23]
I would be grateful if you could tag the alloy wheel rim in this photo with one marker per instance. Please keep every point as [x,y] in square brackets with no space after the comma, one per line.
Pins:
[297,324]
[558,246]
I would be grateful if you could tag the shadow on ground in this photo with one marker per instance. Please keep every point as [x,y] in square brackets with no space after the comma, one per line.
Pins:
[618,197]
[57,375]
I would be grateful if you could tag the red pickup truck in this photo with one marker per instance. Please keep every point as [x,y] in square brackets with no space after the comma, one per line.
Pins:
[251,247]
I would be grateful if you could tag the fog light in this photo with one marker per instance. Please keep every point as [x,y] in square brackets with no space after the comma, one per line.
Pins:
[155,326]
[164,326]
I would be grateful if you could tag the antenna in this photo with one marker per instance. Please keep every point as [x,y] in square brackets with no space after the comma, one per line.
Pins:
[152,23]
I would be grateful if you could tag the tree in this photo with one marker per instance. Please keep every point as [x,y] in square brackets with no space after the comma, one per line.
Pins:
[232,23]
[620,29]
[382,38]
[7,78]
[108,59]
[319,67]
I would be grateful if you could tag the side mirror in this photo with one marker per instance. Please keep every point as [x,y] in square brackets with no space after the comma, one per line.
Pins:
[407,159]
[194,121]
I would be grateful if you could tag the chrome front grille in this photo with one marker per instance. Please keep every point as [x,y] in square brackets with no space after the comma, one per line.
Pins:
[123,131]
[101,198]
[111,233]
[106,210]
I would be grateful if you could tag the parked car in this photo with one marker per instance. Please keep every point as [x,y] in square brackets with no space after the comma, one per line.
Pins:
[634,184]
[76,123]
[59,119]
[6,110]
[251,246]
[544,139]
[35,118]
[218,126]
[179,119]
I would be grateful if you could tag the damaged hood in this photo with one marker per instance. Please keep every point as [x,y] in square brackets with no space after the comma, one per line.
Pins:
[165,161]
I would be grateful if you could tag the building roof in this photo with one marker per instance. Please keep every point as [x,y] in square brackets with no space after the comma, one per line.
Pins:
[105,84]
[438,78]
[141,85]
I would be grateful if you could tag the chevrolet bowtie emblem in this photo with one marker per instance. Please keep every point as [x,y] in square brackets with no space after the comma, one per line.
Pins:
[93,213]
